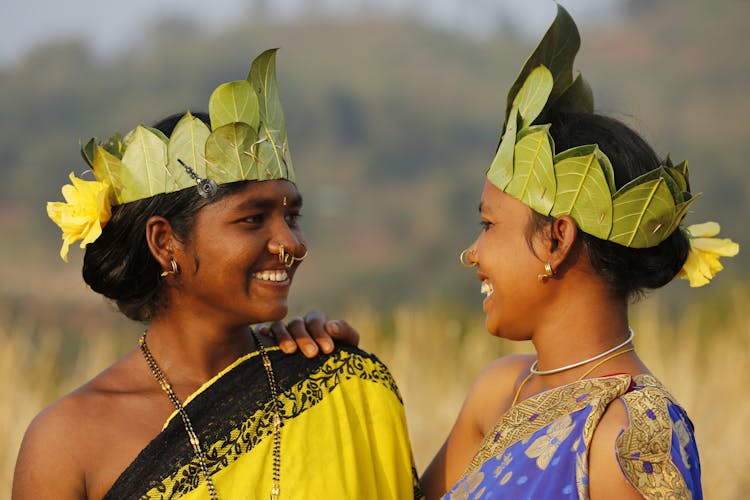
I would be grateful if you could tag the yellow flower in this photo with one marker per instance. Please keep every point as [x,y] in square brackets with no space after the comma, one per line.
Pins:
[703,260]
[85,211]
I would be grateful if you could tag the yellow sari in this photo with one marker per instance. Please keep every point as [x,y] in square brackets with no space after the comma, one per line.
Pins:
[343,434]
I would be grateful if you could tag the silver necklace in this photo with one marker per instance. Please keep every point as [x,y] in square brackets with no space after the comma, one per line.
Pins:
[533,369]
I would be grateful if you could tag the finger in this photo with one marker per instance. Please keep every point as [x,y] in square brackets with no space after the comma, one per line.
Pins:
[282,337]
[314,320]
[342,331]
[303,337]
[315,324]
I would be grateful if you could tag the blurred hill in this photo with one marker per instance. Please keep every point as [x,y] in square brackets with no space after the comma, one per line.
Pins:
[391,124]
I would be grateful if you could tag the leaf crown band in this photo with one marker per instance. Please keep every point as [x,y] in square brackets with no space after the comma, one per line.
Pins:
[245,141]
[579,182]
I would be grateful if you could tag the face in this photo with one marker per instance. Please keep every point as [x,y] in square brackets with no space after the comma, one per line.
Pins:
[506,266]
[230,267]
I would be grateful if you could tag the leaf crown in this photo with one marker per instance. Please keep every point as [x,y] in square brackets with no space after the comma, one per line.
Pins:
[246,141]
[578,182]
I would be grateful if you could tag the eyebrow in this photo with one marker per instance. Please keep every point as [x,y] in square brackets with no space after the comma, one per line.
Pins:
[265,203]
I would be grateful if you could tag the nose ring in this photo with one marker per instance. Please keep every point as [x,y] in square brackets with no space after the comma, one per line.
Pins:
[464,258]
[289,259]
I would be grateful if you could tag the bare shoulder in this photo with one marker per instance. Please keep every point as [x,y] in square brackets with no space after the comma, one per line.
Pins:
[65,439]
[606,478]
[507,369]
[493,389]
[488,398]
[48,461]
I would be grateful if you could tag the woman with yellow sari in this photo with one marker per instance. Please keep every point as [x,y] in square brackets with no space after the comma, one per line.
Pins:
[191,227]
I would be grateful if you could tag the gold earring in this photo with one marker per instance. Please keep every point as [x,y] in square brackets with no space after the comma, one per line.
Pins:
[175,268]
[283,201]
[548,273]
[463,258]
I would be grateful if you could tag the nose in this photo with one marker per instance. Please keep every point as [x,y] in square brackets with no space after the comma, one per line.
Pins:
[468,257]
[287,243]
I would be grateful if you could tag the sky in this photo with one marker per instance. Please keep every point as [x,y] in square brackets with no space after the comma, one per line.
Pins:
[111,26]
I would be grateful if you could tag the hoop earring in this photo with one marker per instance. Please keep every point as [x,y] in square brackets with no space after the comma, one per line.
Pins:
[463,258]
[548,273]
[175,269]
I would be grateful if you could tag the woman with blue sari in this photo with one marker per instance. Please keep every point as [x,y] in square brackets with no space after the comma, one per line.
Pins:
[579,216]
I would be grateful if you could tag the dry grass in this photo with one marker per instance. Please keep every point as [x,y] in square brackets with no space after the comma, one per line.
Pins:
[702,358]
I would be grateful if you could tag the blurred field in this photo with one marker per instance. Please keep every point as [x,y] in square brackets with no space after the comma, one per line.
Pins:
[434,354]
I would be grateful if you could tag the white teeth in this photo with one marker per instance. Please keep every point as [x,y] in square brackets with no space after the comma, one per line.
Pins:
[487,288]
[271,275]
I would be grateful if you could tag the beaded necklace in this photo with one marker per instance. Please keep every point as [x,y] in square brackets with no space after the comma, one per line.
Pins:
[193,437]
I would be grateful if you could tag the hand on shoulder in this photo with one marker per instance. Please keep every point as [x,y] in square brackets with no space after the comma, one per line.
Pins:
[311,334]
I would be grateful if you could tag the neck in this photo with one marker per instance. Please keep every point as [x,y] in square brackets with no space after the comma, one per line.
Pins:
[582,324]
[192,351]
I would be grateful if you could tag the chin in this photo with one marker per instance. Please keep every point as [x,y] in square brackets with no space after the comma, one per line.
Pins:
[503,332]
[277,313]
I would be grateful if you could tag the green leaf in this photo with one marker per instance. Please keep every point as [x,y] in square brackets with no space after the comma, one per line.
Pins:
[678,184]
[234,102]
[583,191]
[262,76]
[533,94]
[501,169]
[273,157]
[107,167]
[642,213]
[146,159]
[115,146]
[533,176]
[87,151]
[273,150]
[556,51]
[188,143]
[681,170]
[230,153]
[607,170]
[578,98]
[680,212]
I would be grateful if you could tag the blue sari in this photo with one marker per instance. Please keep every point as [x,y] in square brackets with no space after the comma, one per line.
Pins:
[539,448]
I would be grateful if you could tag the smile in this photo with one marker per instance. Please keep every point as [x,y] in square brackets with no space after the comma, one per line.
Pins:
[273,275]
[486,288]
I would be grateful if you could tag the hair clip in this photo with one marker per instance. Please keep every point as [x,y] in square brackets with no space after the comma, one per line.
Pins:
[207,188]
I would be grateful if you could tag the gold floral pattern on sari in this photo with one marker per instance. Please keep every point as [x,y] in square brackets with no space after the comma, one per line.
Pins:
[545,446]
[540,446]
[537,412]
[644,449]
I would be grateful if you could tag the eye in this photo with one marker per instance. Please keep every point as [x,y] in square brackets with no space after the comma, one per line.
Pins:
[292,219]
[485,224]
[256,219]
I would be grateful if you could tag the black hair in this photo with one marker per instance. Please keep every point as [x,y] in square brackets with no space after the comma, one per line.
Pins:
[628,271]
[119,264]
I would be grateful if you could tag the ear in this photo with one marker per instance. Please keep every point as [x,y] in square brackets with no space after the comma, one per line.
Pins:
[161,240]
[563,234]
